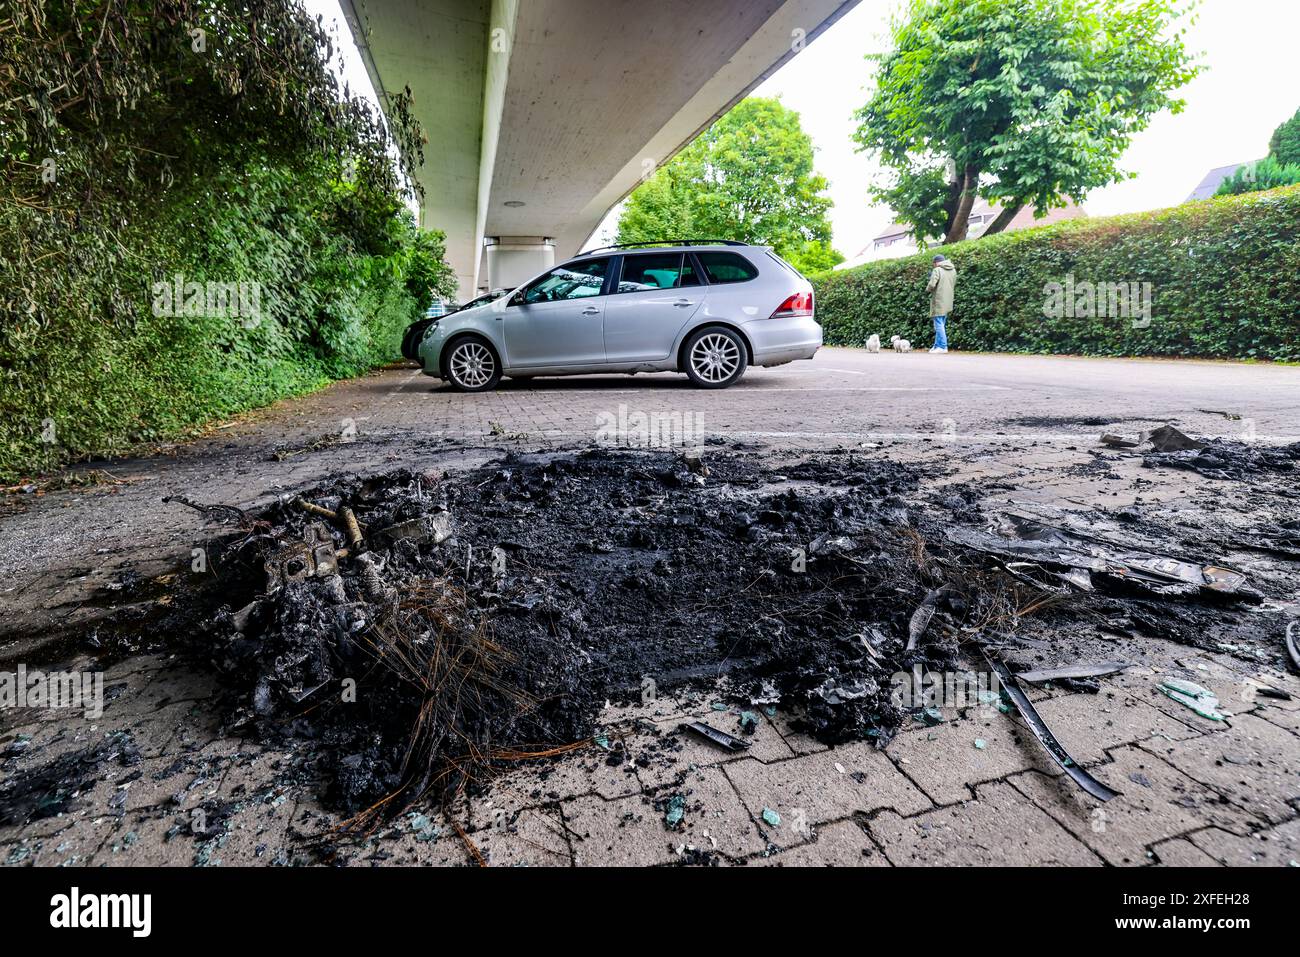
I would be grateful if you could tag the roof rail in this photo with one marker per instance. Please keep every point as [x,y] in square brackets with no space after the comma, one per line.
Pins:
[666,242]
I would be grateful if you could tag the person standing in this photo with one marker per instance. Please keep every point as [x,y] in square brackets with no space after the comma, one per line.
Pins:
[941,287]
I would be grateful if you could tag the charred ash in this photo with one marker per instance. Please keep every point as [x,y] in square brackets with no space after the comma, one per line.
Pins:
[416,631]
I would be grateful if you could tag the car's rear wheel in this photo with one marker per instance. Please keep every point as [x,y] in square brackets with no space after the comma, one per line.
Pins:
[472,365]
[715,357]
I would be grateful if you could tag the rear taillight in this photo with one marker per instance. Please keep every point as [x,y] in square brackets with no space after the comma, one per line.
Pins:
[800,304]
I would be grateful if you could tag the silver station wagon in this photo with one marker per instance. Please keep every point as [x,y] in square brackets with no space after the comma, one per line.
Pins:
[708,309]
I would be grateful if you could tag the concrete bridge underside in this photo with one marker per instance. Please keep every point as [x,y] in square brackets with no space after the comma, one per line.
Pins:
[541,115]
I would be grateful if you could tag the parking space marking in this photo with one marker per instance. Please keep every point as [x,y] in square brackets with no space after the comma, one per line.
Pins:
[896,388]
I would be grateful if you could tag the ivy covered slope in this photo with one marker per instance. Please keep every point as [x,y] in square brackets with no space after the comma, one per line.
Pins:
[195,220]
[1223,275]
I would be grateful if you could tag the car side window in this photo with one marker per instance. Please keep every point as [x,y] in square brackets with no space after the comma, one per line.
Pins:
[570,281]
[649,271]
[726,267]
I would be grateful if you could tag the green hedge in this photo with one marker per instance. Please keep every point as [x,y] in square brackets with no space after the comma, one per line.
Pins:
[149,142]
[106,371]
[1224,279]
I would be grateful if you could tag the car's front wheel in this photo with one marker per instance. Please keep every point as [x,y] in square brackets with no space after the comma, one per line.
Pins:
[715,357]
[472,365]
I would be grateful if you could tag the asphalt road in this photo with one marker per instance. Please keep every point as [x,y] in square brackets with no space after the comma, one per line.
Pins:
[842,396]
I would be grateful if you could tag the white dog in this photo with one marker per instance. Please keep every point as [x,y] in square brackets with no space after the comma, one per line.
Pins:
[900,345]
[873,344]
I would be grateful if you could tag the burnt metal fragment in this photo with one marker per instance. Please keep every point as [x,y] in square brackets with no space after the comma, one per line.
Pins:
[213,513]
[312,557]
[727,742]
[1011,688]
[1098,670]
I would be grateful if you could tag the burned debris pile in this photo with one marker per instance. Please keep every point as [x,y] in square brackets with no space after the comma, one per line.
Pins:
[1215,458]
[359,635]
[1223,459]
[417,631]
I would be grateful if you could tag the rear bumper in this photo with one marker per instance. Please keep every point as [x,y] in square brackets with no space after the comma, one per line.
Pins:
[775,341]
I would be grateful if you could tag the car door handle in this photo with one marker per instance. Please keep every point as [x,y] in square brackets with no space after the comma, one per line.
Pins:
[684,302]
[591,311]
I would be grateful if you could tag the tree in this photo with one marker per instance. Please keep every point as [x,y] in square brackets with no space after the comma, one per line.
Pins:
[427,273]
[1280,168]
[750,177]
[813,257]
[1252,177]
[1285,143]
[1019,101]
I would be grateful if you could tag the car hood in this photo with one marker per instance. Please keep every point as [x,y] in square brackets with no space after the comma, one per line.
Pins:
[470,315]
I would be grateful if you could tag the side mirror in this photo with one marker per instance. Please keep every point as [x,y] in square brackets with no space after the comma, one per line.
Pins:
[517,299]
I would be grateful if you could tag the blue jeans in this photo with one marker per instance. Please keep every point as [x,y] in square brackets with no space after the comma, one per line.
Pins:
[941,332]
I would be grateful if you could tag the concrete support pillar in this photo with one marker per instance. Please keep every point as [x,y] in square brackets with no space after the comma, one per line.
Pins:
[512,260]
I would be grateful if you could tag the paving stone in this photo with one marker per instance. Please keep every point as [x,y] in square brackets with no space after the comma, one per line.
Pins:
[308,822]
[842,844]
[674,750]
[798,741]
[39,828]
[1274,847]
[73,845]
[714,821]
[1000,827]
[50,740]
[536,837]
[1236,694]
[157,689]
[1087,725]
[421,837]
[144,665]
[1254,763]
[173,728]
[104,789]
[1282,717]
[179,783]
[1180,852]
[626,832]
[167,705]
[1155,803]
[165,836]
[251,771]
[533,783]
[810,790]
[945,762]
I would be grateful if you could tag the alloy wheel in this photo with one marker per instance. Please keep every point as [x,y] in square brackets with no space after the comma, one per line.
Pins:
[472,364]
[715,357]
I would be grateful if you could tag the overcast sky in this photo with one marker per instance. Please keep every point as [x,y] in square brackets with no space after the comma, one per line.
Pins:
[1232,108]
